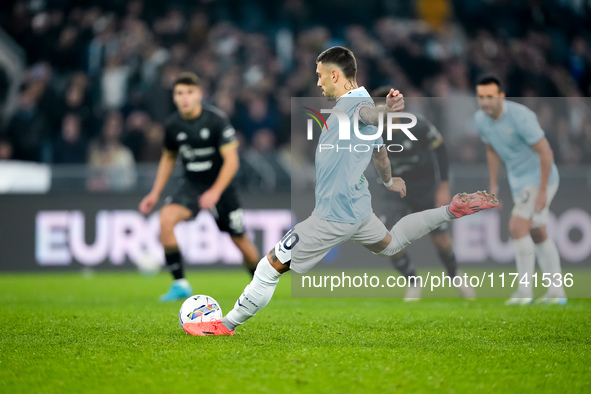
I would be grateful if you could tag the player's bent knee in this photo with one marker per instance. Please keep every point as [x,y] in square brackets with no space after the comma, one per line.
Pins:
[539,234]
[280,255]
[275,263]
[166,230]
[519,227]
[517,232]
[394,248]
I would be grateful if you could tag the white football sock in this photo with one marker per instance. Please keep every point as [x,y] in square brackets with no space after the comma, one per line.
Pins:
[182,282]
[549,261]
[255,296]
[415,226]
[525,262]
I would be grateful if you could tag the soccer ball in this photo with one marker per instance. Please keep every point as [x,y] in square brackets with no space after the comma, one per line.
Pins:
[199,308]
[147,264]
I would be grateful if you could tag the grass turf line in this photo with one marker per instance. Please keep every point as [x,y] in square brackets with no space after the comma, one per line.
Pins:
[107,334]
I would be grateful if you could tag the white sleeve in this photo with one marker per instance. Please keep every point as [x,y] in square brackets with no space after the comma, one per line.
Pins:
[358,109]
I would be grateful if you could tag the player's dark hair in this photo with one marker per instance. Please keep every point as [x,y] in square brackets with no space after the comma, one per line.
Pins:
[341,57]
[187,78]
[487,79]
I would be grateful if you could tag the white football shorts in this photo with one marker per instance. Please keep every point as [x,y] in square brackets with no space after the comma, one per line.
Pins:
[525,205]
[313,238]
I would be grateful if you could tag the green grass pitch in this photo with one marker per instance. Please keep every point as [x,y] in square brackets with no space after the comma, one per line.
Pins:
[106,333]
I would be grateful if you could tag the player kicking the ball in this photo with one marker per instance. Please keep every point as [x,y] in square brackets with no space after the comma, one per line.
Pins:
[209,150]
[512,134]
[343,204]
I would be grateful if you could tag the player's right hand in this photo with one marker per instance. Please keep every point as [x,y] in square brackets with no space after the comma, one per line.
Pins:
[398,186]
[394,101]
[148,203]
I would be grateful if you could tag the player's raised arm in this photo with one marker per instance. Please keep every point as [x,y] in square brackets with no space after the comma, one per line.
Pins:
[382,164]
[394,103]
[165,167]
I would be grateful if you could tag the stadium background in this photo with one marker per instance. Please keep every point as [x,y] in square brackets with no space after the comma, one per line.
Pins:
[85,87]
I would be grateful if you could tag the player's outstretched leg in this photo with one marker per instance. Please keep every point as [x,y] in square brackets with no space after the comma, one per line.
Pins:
[464,204]
[418,224]
[254,297]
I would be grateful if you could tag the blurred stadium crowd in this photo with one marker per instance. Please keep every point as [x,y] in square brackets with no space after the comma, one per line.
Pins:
[97,87]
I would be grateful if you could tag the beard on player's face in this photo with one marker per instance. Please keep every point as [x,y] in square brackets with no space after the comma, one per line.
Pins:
[328,90]
[493,109]
[327,93]
[491,106]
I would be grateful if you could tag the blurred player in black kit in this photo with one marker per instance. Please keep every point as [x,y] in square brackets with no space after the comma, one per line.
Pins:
[423,165]
[208,147]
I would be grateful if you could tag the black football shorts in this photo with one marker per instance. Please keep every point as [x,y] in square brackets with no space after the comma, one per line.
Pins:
[227,212]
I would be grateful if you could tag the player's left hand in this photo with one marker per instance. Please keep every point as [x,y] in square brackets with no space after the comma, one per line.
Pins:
[540,200]
[209,199]
[398,186]
[442,196]
[394,101]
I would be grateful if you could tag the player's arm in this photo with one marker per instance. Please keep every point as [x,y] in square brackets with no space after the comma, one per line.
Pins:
[165,167]
[371,115]
[382,164]
[394,103]
[546,156]
[531,132]
[494,164]
[231,163]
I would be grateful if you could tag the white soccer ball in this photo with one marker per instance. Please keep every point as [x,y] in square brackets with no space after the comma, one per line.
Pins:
[199,308]
[147,264]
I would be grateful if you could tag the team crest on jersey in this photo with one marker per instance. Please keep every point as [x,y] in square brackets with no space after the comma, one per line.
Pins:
[508,132]
[204,133]
[359,184]
[181,136]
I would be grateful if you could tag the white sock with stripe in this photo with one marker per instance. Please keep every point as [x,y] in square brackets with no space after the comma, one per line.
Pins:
[255,296]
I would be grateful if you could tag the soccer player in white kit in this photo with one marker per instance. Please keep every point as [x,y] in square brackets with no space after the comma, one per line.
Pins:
[343,203]
[513,134]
